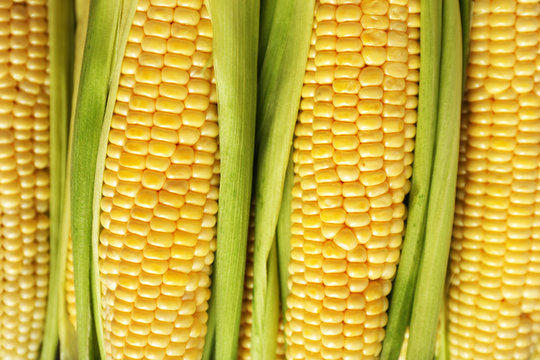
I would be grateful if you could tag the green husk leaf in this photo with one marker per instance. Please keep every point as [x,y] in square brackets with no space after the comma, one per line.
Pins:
[404,284]
[432,271]
[235,46]
[105,41]
[67,334]
[466,17]
[268,8]
[272,309]
[124,25]
[442,339]
[60,15]
[280,86]
[283,235]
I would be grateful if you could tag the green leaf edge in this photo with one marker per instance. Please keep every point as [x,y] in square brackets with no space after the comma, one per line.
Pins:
[283,235]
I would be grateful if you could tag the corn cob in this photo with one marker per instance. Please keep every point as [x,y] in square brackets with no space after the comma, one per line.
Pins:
[24,178]
[160,187]
[244,351]
[493,307]
[353,155]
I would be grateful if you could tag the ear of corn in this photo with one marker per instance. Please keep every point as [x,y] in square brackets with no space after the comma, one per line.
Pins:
[493,310]
[353,155]
[35,76]
[121,278]
[160,188]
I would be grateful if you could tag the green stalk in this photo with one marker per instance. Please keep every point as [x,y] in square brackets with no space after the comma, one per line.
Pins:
[440,215]
[60,22]
[235,28]
[283,235]
[280,87]
[407,272]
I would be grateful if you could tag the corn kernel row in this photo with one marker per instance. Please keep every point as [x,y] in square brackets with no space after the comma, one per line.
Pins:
[24,178]
[160,187]
[352,156]
[493,305]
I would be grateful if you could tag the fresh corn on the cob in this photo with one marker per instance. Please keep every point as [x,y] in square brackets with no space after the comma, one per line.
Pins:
[353,155]
[24,176]
[493,306]
[160,187]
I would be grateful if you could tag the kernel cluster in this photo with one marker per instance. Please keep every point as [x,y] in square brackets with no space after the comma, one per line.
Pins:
[353,153]
[160,187]
[24,176]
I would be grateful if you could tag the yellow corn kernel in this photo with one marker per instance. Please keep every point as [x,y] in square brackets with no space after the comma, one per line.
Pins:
[493,309]
[160,189]
[24,176]
[353,155]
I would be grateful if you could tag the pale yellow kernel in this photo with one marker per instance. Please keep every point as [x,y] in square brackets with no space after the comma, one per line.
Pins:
[346,239]
[350,59]
[348,29]
[374,56]
[186,16]
[370,21]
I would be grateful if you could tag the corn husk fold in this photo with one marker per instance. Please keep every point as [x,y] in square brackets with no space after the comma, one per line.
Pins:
[108,26]
[60,27]
[66,331]
[235,27]
[286,31]
[428,297]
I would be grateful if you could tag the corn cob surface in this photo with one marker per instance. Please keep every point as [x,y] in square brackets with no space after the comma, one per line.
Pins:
[352,157]
[24,176]
[493,306]
[244,348]
[160,187]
